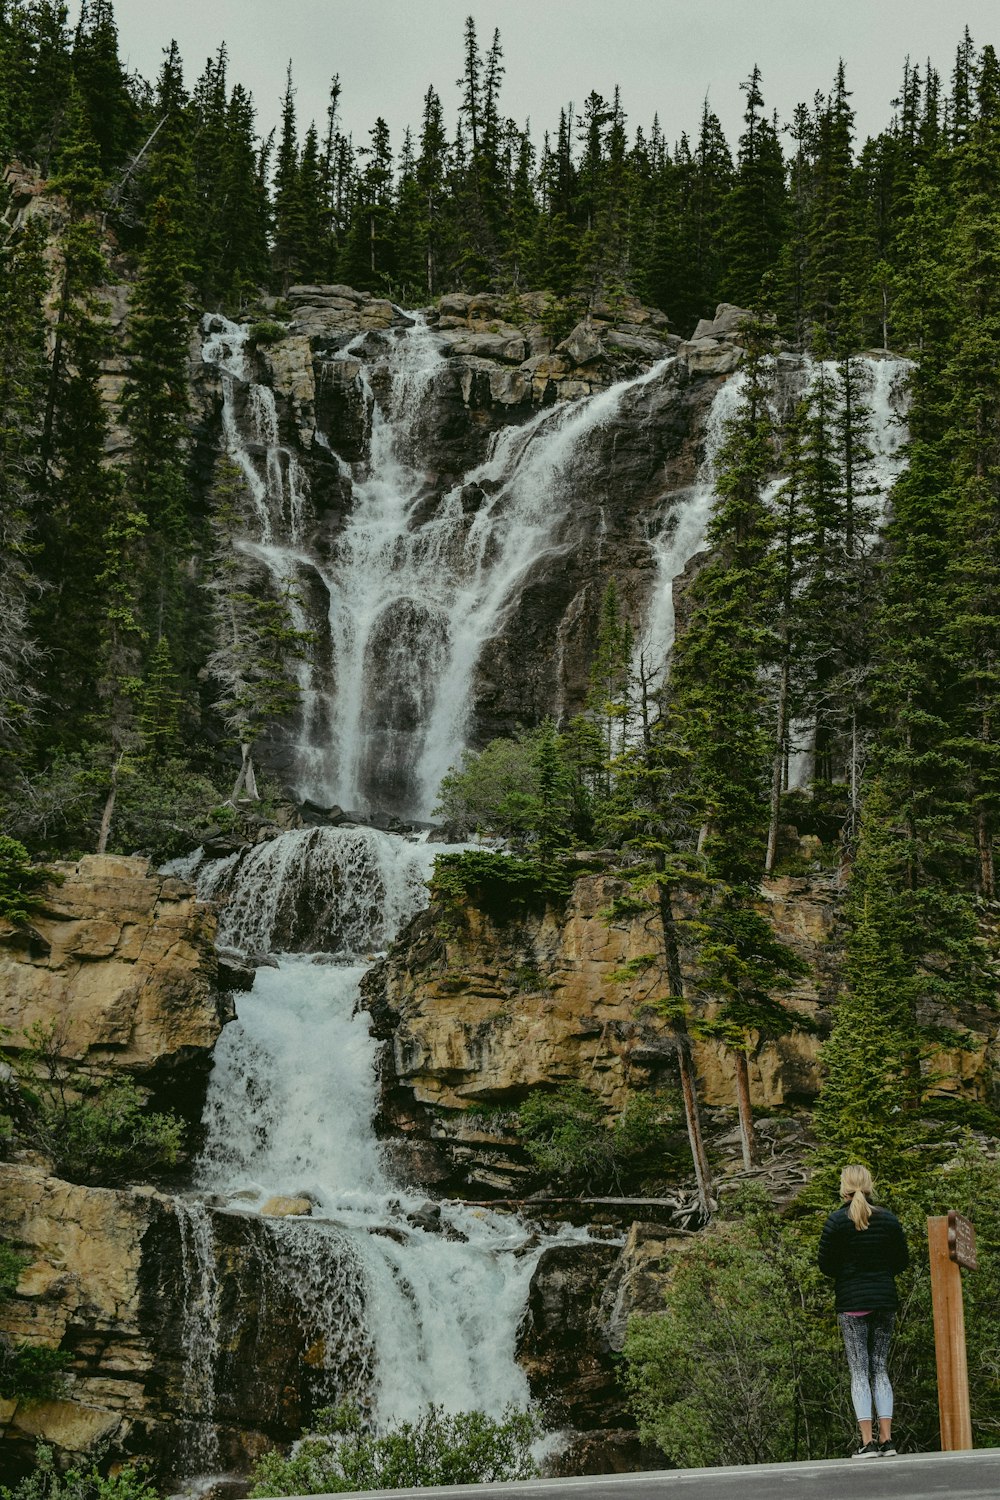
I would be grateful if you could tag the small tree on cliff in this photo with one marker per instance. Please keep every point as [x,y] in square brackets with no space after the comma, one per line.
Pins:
[257,639]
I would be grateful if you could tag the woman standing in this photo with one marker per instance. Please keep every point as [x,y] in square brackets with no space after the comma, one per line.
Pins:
[862,1247]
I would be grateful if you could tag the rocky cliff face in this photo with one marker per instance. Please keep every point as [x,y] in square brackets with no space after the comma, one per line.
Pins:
[482,1014]
[121,961]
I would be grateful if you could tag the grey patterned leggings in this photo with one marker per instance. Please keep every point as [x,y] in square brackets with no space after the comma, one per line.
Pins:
[867,1343]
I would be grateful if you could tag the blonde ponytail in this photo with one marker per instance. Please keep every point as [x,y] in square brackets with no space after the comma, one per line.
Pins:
[857,1186]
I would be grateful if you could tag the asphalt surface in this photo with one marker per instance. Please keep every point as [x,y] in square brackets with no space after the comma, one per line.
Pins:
[914,1476]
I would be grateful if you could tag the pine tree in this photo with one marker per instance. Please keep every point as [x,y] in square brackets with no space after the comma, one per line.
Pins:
[23,286]
[831,234]
[288,227]
[871,1085]
[973,627]
[75,480]
[431,173]
[754,209]
[103,83]
[719,714]
[155,398]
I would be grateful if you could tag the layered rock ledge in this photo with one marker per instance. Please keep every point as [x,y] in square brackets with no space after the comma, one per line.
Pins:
[120,960]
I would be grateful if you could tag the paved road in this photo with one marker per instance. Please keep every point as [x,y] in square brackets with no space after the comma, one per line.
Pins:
[915,1476]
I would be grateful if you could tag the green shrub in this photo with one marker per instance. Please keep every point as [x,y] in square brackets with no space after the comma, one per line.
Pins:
[111,1138]
[46,1483]
[26,1371]
[163,807]
[502,885]
[566,1134]
[743,1365]
[20,881]
[267,331]
[101,1134]
[438,1448]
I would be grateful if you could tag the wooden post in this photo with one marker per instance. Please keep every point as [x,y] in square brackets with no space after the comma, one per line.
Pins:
[949,1339]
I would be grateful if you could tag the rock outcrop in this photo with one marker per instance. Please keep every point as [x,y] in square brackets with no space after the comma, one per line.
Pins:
[120,961]
[479,1015]
[123,1282]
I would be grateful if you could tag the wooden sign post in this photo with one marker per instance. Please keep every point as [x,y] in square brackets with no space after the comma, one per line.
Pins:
[952,1242]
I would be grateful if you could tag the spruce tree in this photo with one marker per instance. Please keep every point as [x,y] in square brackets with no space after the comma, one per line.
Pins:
[719,714]
[755,207]
[870,1093]
[23,286]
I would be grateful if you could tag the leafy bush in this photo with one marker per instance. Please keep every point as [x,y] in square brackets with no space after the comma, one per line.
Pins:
[493,790]
[438,1448]
[566,1134]
[267,331]
[498,884]
[162,809]
[46,1483]
[745,1365]
[103,1135]
[20,881]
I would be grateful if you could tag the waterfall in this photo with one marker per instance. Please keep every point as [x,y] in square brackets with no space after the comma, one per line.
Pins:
[389,1312]
[417,582]
[683,532]
[199,1332]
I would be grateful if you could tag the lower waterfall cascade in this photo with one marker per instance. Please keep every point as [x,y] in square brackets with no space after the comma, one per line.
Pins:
[393,1314]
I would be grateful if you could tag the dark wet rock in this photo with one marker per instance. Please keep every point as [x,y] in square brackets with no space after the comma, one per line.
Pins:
[236,971]
[562,1346]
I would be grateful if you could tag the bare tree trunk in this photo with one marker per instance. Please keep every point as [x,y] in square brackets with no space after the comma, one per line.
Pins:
[984,845]
[778,770]
[748,1135]
[689,1085]
[246,780]
[109,808]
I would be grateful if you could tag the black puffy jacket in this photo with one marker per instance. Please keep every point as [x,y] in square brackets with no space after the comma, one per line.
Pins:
[863,1262]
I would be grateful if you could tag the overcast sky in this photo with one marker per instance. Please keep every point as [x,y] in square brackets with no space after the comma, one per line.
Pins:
[666,54]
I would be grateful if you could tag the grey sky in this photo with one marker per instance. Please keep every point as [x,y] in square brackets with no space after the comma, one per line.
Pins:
[666,54]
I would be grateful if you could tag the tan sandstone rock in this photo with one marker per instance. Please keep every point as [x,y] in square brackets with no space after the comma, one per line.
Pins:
[121,959]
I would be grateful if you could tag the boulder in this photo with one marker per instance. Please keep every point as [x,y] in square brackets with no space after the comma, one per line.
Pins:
[497,346]
[281,1207]
[709,356]
[725,324]
[582,346]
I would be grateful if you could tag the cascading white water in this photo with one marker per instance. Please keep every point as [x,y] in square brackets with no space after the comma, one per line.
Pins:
[199,1334]
[683,533]
[417,584]
[400,1315]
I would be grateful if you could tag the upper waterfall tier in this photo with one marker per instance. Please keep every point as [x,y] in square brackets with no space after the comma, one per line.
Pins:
[448,545]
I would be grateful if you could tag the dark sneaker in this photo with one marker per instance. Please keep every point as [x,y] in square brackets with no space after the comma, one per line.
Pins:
[887,1449]
[868,1450]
